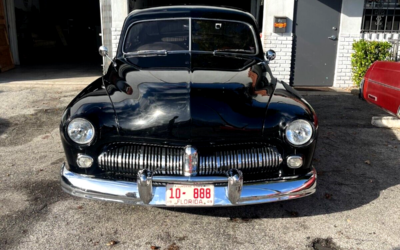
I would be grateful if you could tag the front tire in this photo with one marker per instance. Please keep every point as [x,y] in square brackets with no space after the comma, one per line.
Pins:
[361,90]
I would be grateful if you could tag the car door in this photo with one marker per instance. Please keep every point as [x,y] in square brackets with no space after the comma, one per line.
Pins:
[383,88]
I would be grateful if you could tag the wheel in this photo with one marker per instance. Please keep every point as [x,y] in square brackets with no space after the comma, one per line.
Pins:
[361,90]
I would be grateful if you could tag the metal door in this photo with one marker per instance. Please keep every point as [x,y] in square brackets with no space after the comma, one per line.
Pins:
[315,42]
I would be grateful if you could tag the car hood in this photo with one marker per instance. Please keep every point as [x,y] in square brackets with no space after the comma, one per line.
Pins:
[194,102]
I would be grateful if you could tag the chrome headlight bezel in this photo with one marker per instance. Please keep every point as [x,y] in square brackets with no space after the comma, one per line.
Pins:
[89,127]
[306,142]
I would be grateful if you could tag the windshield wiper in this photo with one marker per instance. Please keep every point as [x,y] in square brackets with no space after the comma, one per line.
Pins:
[144,53]
[232,50]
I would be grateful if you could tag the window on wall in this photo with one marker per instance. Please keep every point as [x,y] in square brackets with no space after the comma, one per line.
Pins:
[381,16]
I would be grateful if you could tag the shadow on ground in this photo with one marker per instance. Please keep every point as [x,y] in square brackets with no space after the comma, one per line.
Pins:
[41,194]
[4,125]
[355,162]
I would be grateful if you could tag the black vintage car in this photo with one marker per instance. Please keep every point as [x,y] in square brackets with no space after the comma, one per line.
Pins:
[189,114]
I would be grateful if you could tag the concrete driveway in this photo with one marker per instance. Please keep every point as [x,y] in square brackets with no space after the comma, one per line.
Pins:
[356,205]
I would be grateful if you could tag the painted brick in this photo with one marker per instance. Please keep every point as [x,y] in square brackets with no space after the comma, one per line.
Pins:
[281,66]
[351,39]
[347,70]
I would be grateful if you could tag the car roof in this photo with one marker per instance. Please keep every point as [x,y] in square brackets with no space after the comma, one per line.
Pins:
[190,11]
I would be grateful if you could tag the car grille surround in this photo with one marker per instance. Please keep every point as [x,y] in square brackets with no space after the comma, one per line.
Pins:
[128,158]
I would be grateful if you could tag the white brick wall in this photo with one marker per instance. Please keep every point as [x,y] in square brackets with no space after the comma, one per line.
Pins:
[115,33]
[282,44]
[343,60]
[343,74]
[106,20]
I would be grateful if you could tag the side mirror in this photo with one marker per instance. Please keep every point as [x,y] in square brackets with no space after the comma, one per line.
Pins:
[270,55]
[103,51]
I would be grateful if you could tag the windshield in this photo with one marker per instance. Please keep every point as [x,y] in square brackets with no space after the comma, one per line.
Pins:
[169,35]
[223,36]
[160,37]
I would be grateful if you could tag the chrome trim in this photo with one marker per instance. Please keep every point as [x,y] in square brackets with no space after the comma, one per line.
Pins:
[141,149]
[127,192]
[235,185]
[130,158]
[190,35]
[145,185]
[193,179]
[383,84]
[257,158]
[163,161]
[190,161]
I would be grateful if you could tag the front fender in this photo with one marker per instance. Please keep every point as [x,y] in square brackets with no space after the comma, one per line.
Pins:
[94,105]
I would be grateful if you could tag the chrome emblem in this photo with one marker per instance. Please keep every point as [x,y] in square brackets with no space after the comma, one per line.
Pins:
[191,161]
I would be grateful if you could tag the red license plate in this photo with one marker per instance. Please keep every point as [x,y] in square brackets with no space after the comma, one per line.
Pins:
[189,195]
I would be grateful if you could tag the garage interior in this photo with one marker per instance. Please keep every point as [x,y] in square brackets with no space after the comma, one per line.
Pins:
[48,32]
[57,32]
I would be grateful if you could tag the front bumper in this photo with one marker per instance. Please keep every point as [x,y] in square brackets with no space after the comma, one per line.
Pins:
[144,193]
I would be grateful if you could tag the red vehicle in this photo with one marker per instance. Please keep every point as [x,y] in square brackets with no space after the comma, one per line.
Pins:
[381,86]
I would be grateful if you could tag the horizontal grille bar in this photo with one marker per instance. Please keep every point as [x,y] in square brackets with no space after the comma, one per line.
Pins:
[131,158]
[250,160]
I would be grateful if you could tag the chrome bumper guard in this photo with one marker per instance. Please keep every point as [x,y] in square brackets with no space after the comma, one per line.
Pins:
[143,192]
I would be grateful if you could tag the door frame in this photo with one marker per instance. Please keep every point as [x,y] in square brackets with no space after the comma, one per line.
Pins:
[12,29]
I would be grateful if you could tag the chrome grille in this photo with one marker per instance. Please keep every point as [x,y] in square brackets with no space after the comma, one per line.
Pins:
[131,158]
[258,159]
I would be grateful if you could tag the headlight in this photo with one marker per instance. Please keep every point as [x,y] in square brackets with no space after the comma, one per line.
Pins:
[299,132]
[81,131]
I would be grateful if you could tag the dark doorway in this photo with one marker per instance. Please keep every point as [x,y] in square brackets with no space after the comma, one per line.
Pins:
[58,31]
[316,31]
